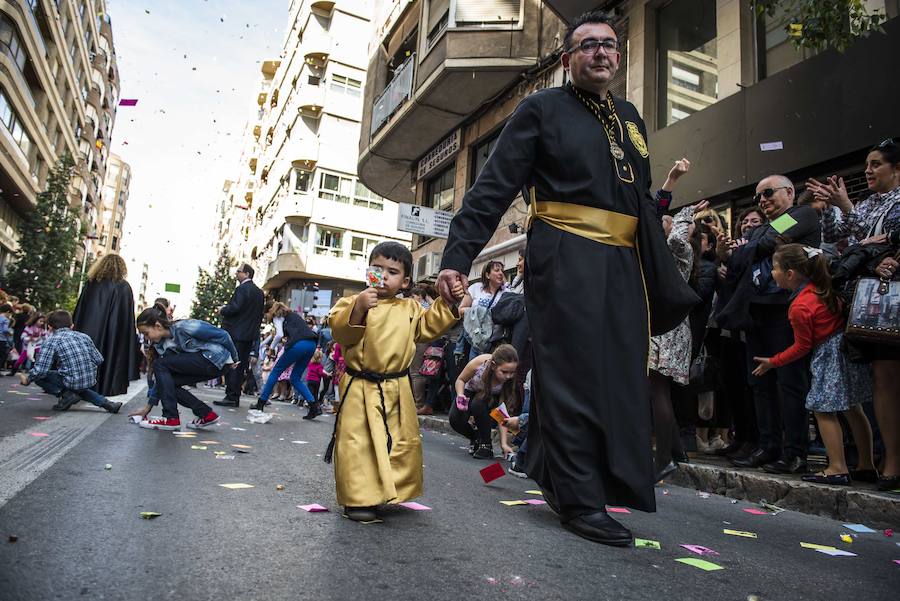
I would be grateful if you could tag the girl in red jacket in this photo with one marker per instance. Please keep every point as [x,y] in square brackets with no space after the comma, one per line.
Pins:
[314,373]
[838,386]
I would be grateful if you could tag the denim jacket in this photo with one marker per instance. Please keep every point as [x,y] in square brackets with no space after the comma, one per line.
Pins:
[195,336]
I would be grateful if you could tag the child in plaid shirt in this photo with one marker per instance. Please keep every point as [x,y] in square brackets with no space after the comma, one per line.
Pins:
[67,366]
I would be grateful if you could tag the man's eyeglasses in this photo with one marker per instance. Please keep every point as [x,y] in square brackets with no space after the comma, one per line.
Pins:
[590,46]
[767,193]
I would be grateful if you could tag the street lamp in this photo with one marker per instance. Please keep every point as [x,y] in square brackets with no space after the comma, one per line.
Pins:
[84,262]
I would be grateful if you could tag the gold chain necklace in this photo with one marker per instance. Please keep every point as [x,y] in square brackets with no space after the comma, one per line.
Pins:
[614,149]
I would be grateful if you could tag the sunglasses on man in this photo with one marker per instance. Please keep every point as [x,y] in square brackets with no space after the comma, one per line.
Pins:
[767,193]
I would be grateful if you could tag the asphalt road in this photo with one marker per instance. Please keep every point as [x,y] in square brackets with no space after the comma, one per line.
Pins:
[80,534]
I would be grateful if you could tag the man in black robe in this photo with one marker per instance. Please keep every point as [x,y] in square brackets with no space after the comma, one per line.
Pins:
[241,318]
[582,159]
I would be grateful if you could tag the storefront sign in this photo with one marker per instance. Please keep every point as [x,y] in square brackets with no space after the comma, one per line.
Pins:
[448,147]
[424,221]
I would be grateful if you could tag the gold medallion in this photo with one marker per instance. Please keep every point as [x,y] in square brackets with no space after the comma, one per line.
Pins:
[616,151]
[637,139]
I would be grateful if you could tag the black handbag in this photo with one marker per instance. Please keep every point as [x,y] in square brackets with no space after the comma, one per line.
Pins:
[704,373]
[874,315]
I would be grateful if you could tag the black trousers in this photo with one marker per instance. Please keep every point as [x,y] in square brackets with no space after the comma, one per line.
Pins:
[234,379]
[175,370]
[478,409]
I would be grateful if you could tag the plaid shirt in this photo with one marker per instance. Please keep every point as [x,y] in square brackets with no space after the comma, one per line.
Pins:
[864,216]
[74,355]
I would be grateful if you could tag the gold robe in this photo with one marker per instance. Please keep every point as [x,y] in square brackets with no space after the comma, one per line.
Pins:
[365,473]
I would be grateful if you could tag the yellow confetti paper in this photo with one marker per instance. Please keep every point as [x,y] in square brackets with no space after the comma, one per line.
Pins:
[236,486]
[817,547]
[511,503]
[208,442]
[533,492]
[149,515]
[846,538]
[219,452]
[740,533]
[646,544]
[242,446]
[198,447]
[700,563]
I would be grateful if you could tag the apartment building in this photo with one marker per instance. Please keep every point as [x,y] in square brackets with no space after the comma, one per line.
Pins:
[713,81]
[296,209]
[114,198]
[58,94]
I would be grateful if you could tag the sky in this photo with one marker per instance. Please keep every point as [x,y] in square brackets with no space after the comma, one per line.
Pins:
[194,67]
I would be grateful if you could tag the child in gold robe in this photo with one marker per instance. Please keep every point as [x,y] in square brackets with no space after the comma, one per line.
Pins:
[376,446]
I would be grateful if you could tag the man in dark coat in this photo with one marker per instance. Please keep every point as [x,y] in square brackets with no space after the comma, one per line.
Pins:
[582,157]
[241,318]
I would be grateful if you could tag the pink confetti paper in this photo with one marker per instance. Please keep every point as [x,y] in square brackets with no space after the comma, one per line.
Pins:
[39,434]
[535,501]
[617,510]
[755,511]
[699,550]
[415,506]
[313,508]
[40,418]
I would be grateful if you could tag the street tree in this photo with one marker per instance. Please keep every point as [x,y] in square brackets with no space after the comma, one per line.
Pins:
[214,290]
[823,24]
[48,240]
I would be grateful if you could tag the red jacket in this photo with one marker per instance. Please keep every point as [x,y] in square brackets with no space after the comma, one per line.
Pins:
[315,372]
[812,323]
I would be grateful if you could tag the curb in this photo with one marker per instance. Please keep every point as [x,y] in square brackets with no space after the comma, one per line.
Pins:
[847,504]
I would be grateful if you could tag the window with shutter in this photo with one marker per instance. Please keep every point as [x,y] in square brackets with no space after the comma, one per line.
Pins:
[470,12]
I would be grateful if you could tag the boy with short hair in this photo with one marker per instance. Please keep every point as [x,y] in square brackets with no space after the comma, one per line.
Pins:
[66,367]
[376,445]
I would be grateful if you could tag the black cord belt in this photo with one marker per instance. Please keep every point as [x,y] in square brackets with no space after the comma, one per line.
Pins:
[369,377]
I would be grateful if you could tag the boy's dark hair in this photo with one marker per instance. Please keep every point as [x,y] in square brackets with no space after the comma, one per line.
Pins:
[248,270]
[594,16]
[162,301]
[395,252]
[59,319]
[5,308]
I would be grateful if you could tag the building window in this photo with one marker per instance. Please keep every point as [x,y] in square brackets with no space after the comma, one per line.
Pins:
[439,191]
[438,18]
[776,52]
[302,180]
[329,242]
[334,187]
[346,85]
[13,124]
[12,43]
[480,156]
[483,13]
[313,80]
[361,247]
[688,59]
[115,243]
[103,240]
[363,197]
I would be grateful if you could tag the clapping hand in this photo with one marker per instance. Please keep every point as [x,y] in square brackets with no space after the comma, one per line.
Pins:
[833,191]
[765,364]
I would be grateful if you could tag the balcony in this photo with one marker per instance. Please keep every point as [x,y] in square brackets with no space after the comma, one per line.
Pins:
[304,153]
[310,100]
[298,207]
[433,92]
[325,6]
[316,44]
[285,267]
[93,97]
[100,58]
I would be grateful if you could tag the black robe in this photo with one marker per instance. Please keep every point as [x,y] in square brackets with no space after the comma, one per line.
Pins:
[589,435]
[105,312]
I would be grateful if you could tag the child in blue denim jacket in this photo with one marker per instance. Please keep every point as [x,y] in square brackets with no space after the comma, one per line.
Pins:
[186,352]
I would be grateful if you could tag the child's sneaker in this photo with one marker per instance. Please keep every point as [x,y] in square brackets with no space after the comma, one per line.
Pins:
[516,470]
[202,422]
[161,423]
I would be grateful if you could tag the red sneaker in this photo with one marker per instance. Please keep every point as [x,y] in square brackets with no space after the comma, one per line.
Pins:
[161,423]
[202,422]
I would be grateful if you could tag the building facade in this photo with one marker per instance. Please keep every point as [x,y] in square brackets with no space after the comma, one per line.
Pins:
[58,95]
[713,81]
[114,199]
[296,209]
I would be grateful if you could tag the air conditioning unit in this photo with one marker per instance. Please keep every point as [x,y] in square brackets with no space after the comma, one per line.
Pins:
[427,266]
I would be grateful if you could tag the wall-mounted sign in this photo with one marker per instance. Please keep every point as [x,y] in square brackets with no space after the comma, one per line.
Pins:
[424,221]
[448,147]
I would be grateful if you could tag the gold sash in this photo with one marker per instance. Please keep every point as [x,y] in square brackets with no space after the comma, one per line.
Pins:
[599,225]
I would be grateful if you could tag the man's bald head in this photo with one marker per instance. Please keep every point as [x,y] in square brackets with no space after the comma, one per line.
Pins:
[775,195]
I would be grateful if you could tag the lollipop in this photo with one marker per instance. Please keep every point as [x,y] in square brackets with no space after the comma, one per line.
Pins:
[375,277]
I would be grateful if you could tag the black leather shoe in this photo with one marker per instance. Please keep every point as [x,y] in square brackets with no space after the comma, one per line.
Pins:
[823,478]
[314,411]
[666,471]
[227,403]
[786,465]
[484,450]
[66,401]
[361,514]
[730,449]
[600,528]
[886,483]
[680,457]
[260,405]
[757,458]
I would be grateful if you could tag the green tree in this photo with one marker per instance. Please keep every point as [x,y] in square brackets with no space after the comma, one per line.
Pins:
[48,239]
[821,24]
[214,290]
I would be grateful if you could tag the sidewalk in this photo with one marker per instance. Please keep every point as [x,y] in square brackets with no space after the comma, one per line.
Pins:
[854,504]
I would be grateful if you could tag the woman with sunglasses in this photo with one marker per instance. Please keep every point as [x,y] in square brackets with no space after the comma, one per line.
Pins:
[874,220]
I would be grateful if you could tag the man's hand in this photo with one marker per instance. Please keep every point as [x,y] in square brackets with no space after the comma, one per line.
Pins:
[680,167]
[879,239]
[765,364]
[448,282]
[142,412]
[458,292]
[887,268]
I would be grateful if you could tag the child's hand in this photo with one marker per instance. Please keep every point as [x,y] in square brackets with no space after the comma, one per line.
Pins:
[458,292]
[512,423]
[765,364]
[366,300]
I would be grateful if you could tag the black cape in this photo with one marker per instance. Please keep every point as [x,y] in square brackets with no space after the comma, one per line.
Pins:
[105,312]
[589,430]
